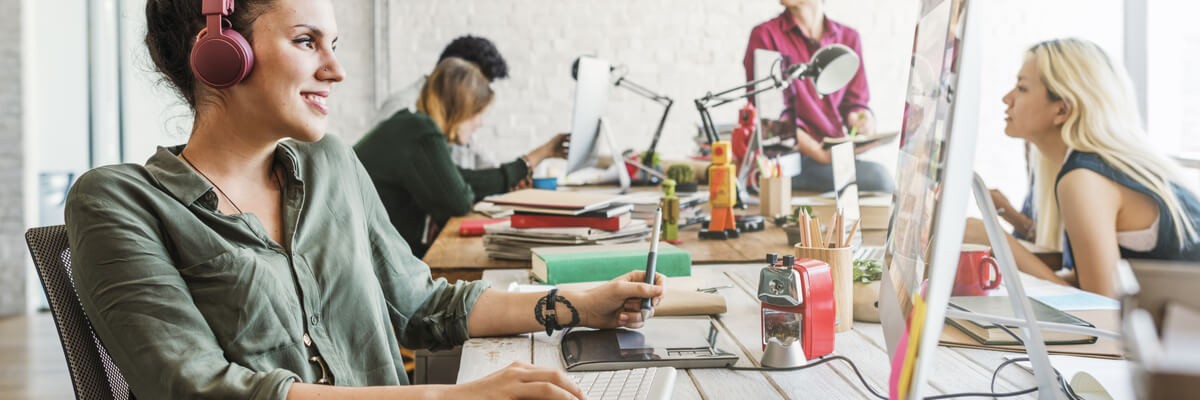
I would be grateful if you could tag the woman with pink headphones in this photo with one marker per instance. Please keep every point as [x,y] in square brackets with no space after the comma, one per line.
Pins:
[257,261]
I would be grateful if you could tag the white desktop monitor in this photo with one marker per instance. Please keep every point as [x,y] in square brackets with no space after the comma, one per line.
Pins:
[770,104]
[845,188]
[591,96]
[933,181]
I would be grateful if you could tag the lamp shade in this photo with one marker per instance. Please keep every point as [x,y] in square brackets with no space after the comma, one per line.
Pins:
[832,67]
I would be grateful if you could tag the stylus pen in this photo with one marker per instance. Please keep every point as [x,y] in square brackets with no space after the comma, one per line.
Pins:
[652,261]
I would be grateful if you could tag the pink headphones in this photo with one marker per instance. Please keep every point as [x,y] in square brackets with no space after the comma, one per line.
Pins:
[221,57]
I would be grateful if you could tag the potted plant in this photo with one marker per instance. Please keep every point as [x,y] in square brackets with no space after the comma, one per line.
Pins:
[867,274]
[685,178]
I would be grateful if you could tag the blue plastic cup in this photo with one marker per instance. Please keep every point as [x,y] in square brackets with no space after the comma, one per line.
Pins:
[550,183]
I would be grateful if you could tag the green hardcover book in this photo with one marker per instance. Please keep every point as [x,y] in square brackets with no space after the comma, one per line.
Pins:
[569,264]
[992,335]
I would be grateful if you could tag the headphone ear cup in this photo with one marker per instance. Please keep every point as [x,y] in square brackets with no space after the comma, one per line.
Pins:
[221,60]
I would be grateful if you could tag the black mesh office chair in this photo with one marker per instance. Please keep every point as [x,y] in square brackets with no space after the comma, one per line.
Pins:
[93,373]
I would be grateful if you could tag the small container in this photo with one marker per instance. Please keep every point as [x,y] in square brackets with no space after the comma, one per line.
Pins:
[548,183]
[841,265]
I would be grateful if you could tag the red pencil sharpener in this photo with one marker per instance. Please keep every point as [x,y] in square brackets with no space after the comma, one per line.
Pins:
[797,307]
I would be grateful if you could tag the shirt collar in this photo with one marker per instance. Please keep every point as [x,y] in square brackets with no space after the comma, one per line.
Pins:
[186,186]
[833,30]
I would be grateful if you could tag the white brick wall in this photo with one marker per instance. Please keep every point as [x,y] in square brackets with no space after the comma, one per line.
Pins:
[681,48]
[12,218]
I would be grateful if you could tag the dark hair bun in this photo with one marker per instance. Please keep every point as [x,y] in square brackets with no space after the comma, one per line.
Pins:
[478,51]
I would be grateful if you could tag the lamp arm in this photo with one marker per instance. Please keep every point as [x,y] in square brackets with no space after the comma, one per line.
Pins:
[748,88]
[640,90]
[711,100]
[706,122]
[648,160]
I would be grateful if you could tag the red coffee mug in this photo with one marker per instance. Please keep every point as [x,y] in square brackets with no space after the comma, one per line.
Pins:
[975,269]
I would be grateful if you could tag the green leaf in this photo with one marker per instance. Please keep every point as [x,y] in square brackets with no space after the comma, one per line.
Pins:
[866,271]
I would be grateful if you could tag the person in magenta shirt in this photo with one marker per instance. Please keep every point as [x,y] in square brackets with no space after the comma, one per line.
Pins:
[796,34]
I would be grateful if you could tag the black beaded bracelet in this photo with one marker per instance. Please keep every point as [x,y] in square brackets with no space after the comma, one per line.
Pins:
[545,312]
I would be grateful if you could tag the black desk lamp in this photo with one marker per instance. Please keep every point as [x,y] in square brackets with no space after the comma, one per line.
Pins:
[830,69]
[648,157]
[623,82]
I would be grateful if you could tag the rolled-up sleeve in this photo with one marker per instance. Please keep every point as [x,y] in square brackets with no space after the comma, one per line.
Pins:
[488,181]
[426,312]
[140,306]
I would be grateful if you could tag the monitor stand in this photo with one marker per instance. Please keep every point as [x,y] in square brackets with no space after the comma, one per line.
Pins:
[1035,346]
[618,160]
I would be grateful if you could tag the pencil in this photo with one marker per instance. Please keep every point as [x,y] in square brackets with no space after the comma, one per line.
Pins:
[853,230]
[803,222]
[828,235]
[834,226]
[841,229]
[816,229]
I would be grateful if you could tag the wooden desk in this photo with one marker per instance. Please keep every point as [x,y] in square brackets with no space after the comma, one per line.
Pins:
[465,258]
[955,370]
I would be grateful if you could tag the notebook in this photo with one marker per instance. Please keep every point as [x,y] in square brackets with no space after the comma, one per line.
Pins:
[993,335]
[579,202]
[555,265]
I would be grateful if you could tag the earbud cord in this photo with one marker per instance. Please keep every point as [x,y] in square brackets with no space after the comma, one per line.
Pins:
[274,175]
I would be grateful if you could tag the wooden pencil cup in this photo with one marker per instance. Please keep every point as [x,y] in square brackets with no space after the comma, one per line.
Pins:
[775,196]
[841,266]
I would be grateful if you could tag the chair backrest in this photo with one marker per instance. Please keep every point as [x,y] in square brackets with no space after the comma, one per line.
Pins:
[93,372]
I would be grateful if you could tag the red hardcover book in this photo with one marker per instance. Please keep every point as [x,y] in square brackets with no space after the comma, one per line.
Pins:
[474,227]
[565,221]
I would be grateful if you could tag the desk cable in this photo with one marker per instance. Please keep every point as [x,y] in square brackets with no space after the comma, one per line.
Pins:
[820,361]
[874,392]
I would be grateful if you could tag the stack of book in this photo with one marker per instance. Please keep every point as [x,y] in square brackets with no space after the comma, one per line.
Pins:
[543,218]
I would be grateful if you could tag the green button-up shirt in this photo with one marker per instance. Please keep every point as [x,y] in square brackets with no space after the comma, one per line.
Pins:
[193,303]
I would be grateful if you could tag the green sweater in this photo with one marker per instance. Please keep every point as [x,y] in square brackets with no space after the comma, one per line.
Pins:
[408,159]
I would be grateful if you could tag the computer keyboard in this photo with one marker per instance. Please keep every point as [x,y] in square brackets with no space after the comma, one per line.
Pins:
[631,384]
[869,253]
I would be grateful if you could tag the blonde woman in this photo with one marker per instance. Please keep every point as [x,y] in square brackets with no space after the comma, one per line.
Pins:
[408,155]
[1115,196]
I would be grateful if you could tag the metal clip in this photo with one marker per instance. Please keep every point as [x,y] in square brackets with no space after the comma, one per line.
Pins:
[324,380]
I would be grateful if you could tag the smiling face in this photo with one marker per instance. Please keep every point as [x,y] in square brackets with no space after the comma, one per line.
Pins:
[287,93]
[1031,112]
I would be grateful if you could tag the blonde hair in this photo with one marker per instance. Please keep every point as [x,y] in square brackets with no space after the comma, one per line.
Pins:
[455,92]
[1103,118]
[1047,228]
